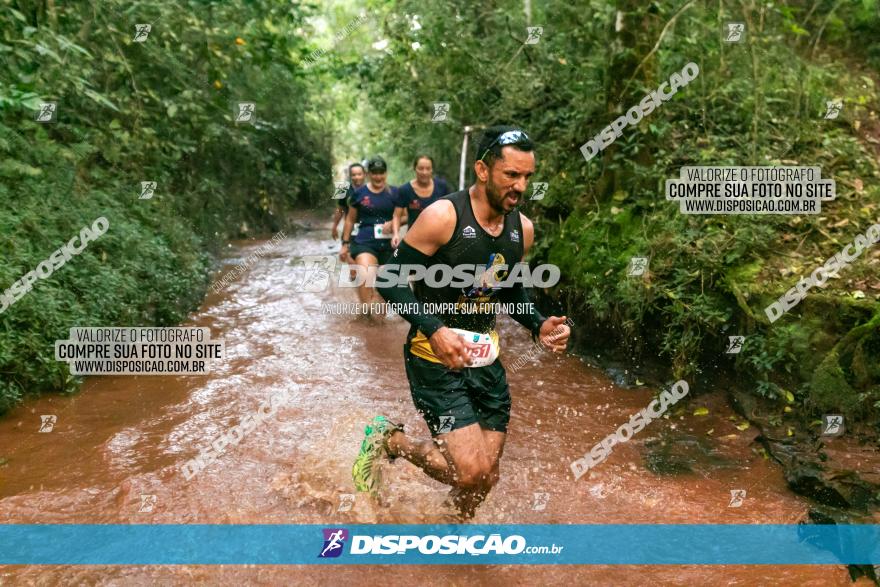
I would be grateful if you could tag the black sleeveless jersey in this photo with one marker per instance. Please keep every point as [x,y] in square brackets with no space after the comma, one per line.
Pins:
[471,245]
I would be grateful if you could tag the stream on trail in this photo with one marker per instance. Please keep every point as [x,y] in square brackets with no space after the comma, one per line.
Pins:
[124,437]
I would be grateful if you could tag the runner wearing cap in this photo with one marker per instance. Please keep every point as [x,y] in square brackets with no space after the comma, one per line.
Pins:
[466,407]
[372,204]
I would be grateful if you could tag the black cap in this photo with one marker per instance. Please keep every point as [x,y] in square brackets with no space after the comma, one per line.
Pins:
[377,165]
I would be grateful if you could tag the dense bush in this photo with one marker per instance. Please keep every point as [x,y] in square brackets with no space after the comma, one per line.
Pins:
[159,110]
[758,102]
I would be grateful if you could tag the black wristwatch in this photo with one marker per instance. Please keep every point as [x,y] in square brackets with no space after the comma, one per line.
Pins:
[345,242]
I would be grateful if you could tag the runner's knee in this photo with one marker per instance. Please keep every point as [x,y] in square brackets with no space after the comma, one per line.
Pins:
[473,473]
[493,477]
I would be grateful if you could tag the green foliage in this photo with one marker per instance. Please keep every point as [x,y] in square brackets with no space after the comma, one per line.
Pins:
[128,112]
[759,102]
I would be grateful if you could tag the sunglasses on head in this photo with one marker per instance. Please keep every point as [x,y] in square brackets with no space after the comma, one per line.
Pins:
[510,137]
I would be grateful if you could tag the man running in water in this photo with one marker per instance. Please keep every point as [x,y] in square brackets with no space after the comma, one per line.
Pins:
[466,408]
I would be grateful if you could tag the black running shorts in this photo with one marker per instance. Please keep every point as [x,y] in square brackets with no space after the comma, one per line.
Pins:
[381,253]
[472,395]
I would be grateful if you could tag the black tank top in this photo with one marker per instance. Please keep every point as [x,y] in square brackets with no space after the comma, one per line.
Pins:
[471,245]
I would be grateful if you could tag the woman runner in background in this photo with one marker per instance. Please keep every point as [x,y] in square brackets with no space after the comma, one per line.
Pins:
[372,205]
[416,195]
[356,178]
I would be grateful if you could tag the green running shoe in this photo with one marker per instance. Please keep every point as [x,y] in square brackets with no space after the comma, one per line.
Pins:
[366,470]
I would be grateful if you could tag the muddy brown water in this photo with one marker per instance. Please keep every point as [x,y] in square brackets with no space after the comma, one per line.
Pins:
[124,437]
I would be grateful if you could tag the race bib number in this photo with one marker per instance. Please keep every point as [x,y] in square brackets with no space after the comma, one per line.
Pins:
[484,351]
[378,232]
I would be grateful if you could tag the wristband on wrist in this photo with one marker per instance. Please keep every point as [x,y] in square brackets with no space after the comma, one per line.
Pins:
[345,242]
[536,325]
[525,313]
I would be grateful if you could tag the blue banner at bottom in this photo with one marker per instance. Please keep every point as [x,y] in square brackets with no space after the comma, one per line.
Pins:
[636,544]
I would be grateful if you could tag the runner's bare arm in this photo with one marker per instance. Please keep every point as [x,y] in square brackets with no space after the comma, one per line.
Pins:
[350,219]
[395,225]
[398,219]
[528,234]
[337,216]
[435,231]
[552,332]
